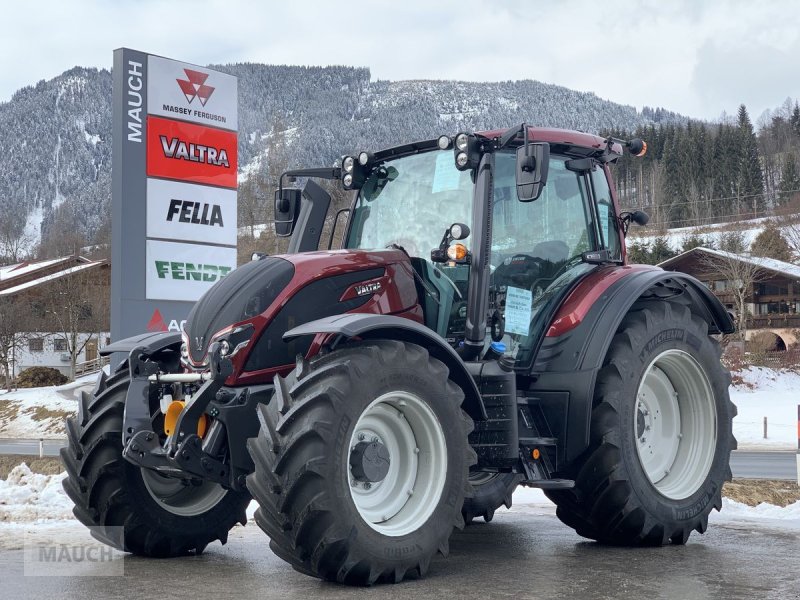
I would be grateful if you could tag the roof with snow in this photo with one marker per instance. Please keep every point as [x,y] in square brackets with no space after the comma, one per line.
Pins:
[26,275]
[768,264]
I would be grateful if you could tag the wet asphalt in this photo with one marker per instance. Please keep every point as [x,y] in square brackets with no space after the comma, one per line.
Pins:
[521,554]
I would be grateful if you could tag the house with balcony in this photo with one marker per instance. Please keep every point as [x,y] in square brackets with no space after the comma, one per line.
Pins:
[58,305]
[772,290]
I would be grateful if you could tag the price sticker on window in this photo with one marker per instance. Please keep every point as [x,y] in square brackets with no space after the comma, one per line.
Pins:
[518,310]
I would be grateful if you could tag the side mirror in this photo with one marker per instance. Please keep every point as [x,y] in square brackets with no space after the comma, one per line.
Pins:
[287,208]
[533,161]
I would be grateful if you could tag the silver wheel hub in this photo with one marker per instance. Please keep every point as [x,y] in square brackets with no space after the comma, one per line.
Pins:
[180,497]
[397,463]
[675,424]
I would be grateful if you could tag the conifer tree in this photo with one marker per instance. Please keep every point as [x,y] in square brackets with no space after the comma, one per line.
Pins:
[771,244]
[790,180]
[751,182]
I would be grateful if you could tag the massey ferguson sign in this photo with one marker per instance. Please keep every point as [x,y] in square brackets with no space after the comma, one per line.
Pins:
[174,188]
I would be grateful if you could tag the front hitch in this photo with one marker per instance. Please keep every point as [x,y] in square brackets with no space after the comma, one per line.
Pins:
[183,454]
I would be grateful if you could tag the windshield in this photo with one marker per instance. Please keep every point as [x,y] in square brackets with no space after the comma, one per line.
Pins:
[410,202]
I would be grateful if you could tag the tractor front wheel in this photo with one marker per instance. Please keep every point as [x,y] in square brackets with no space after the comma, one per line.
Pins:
[362,462]
[133,509]
[661,434]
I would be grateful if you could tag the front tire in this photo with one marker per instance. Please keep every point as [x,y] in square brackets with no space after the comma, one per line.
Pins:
[661,434]
[133,509]
[334,514]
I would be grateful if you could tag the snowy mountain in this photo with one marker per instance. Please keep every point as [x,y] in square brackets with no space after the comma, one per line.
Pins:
[56,135]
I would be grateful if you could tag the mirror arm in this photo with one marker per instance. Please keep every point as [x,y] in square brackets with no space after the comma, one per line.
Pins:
[321,173]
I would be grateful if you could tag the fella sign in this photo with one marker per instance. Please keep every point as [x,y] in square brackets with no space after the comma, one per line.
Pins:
[174,187]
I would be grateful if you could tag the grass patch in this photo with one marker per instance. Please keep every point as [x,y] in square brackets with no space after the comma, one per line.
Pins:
[49,465]
[8,410]
[755,491]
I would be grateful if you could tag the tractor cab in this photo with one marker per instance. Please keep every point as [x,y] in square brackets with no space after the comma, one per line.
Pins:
[537,215]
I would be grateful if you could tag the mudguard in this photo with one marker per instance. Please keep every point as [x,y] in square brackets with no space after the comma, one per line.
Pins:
[151,342]
[372,326]
[570,361]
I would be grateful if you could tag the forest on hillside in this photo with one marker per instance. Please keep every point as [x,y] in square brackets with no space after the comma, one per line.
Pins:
[701,173]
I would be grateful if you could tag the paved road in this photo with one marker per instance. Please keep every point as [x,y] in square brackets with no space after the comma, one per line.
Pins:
[749,465]
[764,465]
[523,553]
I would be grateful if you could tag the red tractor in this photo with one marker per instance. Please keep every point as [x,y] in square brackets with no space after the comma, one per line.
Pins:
[480,329]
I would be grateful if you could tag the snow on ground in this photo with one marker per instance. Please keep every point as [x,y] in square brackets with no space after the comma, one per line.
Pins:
[35,413]
[766,393]
[749,230]
[764,515]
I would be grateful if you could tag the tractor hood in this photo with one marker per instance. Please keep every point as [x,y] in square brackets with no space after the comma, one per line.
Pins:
[303,287]
[241,295]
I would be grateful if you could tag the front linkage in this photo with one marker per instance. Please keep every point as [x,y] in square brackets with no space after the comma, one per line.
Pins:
[185,454]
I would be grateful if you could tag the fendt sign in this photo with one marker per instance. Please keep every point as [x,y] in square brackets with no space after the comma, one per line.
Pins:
[174,188]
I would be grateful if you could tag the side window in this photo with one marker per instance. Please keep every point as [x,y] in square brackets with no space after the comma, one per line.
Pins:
[605,211]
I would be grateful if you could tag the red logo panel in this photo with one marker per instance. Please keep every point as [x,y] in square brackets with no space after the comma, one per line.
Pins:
[187,152]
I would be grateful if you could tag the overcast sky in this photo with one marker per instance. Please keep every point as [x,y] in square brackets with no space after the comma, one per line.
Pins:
[695,57]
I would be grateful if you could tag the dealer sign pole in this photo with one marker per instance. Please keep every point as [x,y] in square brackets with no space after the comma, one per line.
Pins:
[174,189]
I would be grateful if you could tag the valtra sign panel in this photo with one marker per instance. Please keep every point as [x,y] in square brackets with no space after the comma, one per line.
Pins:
[188,152]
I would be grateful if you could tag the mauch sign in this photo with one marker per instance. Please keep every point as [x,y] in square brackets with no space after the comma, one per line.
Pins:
[174,188]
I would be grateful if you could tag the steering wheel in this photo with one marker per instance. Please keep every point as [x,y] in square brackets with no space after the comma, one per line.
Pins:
[519,270]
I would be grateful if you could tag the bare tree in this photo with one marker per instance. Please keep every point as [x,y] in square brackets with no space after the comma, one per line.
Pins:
[789,223]
[13,314]
[79,306]
[15,240]
[740,274]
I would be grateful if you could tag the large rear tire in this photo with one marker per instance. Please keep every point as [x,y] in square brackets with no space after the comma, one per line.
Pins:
[361,464]
[133,509]
[661,434]
[490,491]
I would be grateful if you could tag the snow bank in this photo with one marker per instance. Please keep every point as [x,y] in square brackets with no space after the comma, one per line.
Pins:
[29,496]
[764,515]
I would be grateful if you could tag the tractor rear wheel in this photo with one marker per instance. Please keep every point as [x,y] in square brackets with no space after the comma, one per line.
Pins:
[133,509]
[490,491]
[661,434]
[362,462]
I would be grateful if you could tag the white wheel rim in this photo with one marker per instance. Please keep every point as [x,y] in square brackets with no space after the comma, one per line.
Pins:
[182,499]
[675,424]
[407,496]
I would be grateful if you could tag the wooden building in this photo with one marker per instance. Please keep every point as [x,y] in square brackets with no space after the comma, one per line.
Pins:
[771,287]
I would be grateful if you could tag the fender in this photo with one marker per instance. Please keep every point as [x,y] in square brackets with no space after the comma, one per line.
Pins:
[151,342]
[372,326]
[579,337]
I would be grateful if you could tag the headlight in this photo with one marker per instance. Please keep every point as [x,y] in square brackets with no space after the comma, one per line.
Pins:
[363,158]
[224,348]
[462,141]
[184,351]
[347,180]
[443,142]
[347,164]
[461,159]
